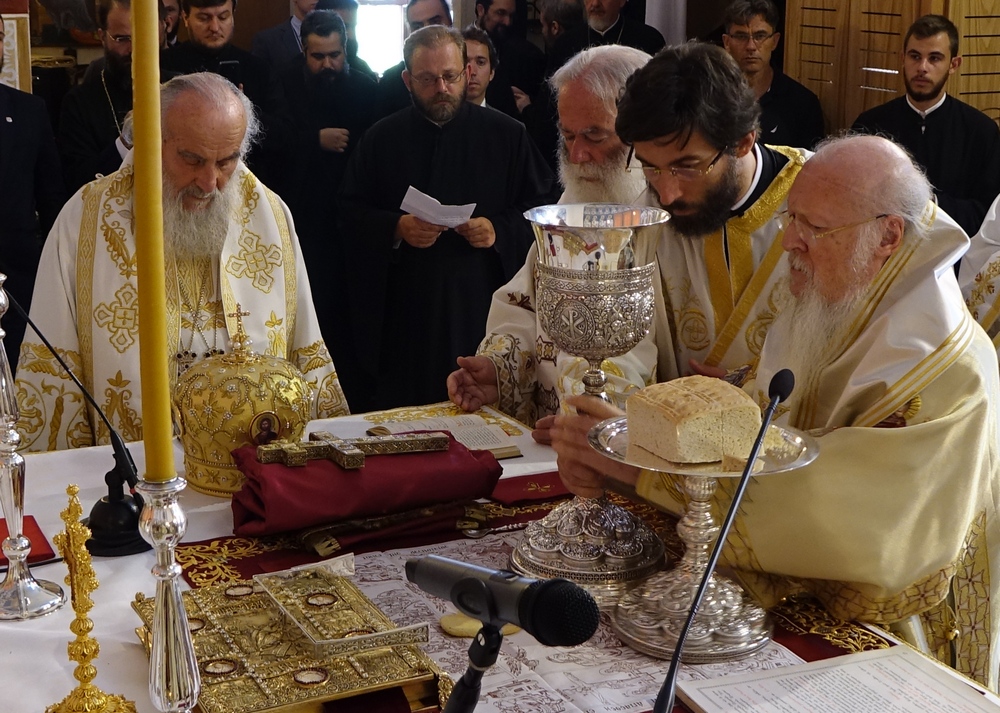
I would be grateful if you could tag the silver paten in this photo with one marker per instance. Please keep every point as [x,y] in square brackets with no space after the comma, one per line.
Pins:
[728,624]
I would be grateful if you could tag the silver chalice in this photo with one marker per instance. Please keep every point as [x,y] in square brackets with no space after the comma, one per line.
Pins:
[594,302]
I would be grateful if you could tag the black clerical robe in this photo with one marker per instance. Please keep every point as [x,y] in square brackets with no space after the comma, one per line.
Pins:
[790,114]
[89,123]
[257,81]
[958,146]
[416,310]
[309,182]
[625,31]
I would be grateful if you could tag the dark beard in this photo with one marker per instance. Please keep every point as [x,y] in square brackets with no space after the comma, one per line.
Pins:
[713,212]
[440,114]
[118,71]
[934,92]
[325,79]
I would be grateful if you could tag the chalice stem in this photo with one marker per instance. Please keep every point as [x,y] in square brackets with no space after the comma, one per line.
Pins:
[595,381]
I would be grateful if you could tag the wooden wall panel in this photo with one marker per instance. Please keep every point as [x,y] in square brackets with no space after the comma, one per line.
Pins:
[815,51]
[849,51]
[977,80]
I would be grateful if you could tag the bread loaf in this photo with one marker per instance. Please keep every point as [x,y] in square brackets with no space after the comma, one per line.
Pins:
[695,419]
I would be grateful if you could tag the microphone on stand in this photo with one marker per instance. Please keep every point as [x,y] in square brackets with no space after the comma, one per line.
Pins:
[114,520]
[778,390]
[557,612]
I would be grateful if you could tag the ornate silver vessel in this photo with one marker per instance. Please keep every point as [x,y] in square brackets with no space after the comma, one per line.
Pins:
[594,303]
[728,624]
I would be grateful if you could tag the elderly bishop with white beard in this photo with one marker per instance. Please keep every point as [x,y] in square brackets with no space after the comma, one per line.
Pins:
[228,241]
[592,161]
[896,521]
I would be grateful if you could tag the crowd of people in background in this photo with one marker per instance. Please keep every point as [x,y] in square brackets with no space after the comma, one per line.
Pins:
[317,101]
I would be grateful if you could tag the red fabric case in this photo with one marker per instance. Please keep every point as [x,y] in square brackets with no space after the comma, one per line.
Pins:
[277,498]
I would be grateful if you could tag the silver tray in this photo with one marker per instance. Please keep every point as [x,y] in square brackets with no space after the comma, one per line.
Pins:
[784,449]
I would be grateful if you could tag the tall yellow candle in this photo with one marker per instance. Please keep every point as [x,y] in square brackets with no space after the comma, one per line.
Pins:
[153,351]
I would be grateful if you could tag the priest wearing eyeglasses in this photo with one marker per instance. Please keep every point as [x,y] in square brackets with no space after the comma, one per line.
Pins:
[692,123]
[421,291]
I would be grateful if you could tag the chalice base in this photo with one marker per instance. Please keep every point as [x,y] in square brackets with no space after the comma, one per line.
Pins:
[24,597]
[592,542]
[728,625]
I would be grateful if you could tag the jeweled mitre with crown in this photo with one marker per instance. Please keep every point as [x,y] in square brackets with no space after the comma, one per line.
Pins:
[232,400]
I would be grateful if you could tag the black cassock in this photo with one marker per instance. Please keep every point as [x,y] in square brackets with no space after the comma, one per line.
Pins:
[415,310]
[956,144]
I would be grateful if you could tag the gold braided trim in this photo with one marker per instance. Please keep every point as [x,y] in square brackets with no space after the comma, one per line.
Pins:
[208,563]
[972,614]
[922,374]
[852,600]
[751,221]
[291,279]
[802,614]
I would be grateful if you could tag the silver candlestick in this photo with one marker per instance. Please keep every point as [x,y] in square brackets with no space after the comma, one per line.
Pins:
[174,680]
[21,595]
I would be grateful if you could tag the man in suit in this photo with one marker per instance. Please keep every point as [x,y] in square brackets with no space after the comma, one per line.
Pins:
[280,44]
[31,194]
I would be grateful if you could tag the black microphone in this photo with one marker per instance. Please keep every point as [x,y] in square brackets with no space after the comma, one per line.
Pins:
[778,390]
[557,612]
[114,520]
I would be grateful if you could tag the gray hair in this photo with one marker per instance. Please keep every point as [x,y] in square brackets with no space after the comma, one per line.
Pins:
[603,70]
[217,91]
[903,188]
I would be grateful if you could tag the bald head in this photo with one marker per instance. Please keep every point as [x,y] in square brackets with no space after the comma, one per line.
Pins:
[851,205]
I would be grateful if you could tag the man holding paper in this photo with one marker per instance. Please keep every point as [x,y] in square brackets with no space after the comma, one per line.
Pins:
[422,272]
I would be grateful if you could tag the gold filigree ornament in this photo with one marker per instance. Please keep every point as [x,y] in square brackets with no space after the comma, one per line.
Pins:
[236,399]
[290,641]
[86,697]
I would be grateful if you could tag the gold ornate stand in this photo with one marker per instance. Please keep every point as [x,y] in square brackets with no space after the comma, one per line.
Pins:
[72,543]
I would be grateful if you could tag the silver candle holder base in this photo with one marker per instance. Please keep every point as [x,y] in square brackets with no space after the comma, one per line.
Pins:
[174,679]
[21,595]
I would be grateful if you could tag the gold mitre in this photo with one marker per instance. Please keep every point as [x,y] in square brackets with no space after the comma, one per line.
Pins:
[232,400]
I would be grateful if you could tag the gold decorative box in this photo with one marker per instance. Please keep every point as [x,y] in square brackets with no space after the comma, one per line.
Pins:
[253,656]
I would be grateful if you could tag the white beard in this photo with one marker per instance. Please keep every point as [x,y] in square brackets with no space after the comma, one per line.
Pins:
[820,327]
[613,183]
[191,234]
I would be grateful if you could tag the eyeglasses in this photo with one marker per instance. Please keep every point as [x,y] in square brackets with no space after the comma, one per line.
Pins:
[121,39]
[807,233]
[427,80]
[758,38]
[652,173]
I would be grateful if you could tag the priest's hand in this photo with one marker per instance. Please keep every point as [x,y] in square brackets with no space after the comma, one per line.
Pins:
[478,232]
[716,372]
[333,139]
[521,100]
[417,232]
[582,469]
[542,433]
[474,384]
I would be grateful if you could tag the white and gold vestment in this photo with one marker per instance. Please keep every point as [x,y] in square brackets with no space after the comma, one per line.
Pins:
[714,302]
[980,274]
[897,517]
[85,303]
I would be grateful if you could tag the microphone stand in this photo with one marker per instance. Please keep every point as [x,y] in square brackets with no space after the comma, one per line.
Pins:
[114,520]
[780,387]
[483,651]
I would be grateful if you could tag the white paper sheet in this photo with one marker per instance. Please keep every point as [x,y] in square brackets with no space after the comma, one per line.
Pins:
[429,209]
